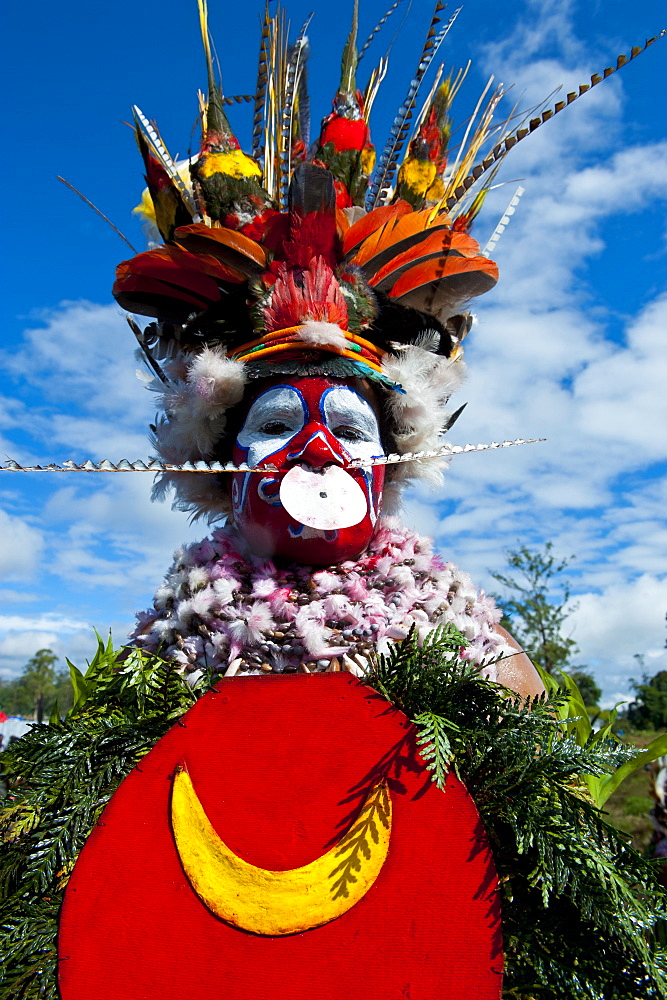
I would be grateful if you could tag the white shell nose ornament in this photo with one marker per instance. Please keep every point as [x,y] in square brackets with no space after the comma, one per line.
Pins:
[326,499]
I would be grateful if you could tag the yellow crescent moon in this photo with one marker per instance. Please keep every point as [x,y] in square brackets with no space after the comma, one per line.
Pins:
[270,902]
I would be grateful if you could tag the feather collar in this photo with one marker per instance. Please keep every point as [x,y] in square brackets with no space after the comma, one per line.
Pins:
[222,608]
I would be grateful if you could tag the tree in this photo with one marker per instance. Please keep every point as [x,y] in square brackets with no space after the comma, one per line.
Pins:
[588,688]
[39,687]
[534,614]
[649,709]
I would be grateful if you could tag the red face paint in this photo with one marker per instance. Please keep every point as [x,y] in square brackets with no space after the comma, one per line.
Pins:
[314,423]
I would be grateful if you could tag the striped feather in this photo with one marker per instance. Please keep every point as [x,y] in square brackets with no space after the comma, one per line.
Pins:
[370,223]
[394,237]
[159,151]
[375,30]
[294,66]
[504,221]
[439,244]
[399,131]
[502,148]
[262,81]
[238,99]
[436,285]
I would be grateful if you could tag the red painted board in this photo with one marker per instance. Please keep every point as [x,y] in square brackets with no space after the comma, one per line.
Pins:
[281,766]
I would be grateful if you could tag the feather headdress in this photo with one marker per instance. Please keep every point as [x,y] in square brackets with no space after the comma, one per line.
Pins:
[298,260]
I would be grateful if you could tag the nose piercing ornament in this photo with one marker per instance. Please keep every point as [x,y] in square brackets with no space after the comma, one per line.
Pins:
[328,499]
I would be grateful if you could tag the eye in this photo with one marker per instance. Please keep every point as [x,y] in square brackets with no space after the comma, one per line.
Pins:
[275,428]
[348,433]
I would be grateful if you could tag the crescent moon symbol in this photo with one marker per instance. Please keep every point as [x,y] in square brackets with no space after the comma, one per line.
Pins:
[279,902]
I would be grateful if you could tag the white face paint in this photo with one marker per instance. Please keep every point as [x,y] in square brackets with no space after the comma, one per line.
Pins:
[272,420]
[352,420]
[279,413]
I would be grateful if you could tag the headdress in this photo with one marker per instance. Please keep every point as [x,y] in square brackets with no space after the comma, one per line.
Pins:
[302,259]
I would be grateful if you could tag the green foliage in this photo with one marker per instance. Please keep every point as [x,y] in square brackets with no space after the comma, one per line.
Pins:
[649,709]
[40,688]
[572,712]
[638,805]
[61,776]
[579,904]
[532,612]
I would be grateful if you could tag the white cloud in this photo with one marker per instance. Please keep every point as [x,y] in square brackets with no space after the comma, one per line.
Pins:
[17,647]
[20,549]
[55,624]
[631,177]
[85,396]
[22,635]
[16,597]
[627,618]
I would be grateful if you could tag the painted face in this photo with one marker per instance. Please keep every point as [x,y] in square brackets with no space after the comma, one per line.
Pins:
[314,509]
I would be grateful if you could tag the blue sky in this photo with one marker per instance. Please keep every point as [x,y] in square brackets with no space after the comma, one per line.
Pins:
[569,346]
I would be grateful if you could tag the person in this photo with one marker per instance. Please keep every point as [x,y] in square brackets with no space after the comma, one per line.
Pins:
[311,344]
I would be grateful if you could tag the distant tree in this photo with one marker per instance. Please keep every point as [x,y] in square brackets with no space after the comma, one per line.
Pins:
[39,687]
[588,688]
[649,709]
[536,605]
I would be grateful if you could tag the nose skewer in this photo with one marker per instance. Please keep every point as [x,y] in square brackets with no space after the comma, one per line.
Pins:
[447,451]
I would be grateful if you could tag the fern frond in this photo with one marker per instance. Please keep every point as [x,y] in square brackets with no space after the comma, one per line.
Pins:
[436,748]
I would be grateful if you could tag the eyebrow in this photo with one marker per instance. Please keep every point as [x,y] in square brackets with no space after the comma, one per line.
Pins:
[287,405]
[359,406]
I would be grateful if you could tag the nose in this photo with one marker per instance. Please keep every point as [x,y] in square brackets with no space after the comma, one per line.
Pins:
[317,447]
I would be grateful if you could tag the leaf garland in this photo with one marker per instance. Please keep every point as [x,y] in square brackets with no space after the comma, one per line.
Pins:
[581,908]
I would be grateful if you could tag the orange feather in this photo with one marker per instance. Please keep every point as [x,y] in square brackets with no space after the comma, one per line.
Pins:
[228,245]
[370,223]
[450,277]
[436,244]
[396,236]
[148,296]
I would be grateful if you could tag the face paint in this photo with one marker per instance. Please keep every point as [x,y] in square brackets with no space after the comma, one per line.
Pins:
[310,429]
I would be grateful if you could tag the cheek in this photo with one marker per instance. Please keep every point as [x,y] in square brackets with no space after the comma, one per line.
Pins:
[253,493]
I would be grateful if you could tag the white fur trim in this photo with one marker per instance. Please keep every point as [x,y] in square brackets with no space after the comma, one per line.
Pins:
[215,382]
[203,388]
[318,334]
[196,406]
[420,414]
